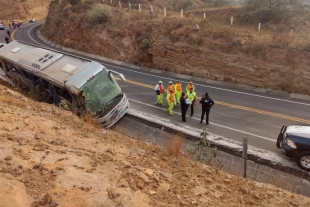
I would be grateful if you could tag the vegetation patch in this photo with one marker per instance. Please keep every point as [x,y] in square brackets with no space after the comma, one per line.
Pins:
[100,13]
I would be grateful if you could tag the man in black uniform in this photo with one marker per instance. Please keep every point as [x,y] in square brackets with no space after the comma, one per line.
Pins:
[207,103]
[184,107]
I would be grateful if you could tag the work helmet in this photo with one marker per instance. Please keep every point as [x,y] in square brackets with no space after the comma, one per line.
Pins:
[160,82]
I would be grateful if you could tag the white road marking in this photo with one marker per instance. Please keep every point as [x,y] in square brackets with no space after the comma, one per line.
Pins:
[217,88]
[219,125]
[32,38]
[223,89]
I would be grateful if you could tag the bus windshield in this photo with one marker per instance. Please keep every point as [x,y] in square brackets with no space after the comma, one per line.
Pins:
[100,92]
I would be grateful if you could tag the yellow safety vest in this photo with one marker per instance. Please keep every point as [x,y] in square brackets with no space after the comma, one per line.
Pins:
[178,88]
[188,87]
[170,87]
[191,96]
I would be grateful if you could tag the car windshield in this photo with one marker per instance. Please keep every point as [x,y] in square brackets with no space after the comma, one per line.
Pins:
[100,92]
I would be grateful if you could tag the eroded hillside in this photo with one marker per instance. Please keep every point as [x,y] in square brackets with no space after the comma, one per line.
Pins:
[49,156]
[208,48]
[23,9]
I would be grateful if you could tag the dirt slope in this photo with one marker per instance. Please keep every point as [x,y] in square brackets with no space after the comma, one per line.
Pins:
[48,156]
[208,48]
[23,9]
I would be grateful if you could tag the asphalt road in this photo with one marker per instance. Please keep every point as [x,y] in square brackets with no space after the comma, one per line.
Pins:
[236,113]
[3,33]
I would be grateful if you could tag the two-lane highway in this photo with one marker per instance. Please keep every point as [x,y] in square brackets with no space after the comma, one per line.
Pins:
[236,113]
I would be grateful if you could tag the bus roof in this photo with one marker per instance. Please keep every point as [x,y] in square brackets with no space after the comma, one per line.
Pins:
[61,69]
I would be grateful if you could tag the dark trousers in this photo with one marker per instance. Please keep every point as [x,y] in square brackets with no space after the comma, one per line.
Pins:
[207,112]
[192,109]
[184,109]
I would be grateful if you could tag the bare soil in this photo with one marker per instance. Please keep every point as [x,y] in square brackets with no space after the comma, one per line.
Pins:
[23,9]
[210,48]
[49,156]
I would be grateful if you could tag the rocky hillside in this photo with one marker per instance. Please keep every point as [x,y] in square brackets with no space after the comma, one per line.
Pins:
[23,9]
[205,48]
[50,157]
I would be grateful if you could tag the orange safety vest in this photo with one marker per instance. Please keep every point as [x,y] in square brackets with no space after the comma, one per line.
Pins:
[161,89]
[190,86]
[178,87]
[170,87]
[171,98]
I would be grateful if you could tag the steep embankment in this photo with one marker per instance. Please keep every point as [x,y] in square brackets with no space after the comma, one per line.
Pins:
[48,156]
[205,48]
[23,9]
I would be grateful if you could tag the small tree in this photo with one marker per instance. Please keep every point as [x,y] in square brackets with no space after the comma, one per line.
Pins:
[73,2]
[202,149]
[177,5]
[274,11]
[100,13]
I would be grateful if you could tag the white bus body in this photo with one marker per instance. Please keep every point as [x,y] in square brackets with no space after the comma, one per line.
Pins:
[80,83]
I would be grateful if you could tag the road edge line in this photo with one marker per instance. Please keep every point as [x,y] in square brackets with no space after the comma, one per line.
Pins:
[224,148]
[187,77]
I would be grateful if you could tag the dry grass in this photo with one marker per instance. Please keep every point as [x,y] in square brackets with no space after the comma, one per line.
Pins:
[266,50]
[174,144]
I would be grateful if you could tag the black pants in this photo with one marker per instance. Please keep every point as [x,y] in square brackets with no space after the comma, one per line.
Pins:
[207,112]
[184,109]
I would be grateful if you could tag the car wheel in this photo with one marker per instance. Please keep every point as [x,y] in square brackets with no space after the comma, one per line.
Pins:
[303,160]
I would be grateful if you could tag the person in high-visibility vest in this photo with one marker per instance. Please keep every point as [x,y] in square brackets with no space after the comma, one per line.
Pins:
[191,94]
[159,89]
[178,91]
[169,88]
[189,86]
[171,100]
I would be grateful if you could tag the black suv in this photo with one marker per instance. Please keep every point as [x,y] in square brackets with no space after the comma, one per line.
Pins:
[295,143]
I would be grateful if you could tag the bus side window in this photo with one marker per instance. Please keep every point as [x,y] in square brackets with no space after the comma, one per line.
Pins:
[64,94]
[25,74]
[44,84]
[35,80]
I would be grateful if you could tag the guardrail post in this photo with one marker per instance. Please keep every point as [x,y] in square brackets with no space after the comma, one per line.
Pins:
[245,155]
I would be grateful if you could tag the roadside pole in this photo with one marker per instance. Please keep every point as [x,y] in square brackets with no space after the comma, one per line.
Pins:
[245,155]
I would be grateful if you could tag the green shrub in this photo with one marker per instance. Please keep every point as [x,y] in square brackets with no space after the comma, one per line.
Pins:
[100,13]
[73,2]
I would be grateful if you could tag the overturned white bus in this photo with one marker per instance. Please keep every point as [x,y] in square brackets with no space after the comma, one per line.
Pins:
[80,83]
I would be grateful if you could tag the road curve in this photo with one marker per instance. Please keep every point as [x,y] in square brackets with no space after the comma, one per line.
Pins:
[237,113]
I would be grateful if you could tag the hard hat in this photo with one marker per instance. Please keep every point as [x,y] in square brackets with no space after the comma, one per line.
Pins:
[160,82]
[170,82]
